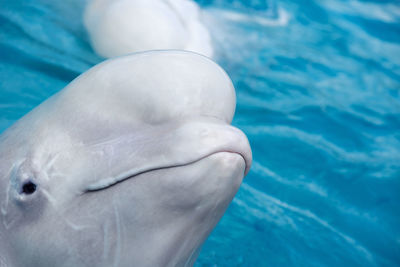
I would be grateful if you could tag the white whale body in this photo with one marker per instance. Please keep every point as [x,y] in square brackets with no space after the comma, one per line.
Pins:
[119,27]
[132,164]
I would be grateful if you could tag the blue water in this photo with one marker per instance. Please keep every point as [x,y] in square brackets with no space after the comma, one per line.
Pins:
[318,87]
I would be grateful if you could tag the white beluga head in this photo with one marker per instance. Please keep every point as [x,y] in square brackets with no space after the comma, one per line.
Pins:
[132,164]
[120,27]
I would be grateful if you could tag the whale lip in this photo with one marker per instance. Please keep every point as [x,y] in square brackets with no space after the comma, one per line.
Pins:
[100,187]
[203,137]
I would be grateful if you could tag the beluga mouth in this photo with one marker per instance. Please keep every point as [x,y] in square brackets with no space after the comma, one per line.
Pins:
[110,182]
[200,136]
[148,137]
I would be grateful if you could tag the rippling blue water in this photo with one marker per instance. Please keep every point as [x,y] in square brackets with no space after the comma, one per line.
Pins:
[318,86]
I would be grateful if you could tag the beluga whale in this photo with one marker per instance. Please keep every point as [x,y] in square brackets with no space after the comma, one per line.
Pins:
[131,164]
[119,27]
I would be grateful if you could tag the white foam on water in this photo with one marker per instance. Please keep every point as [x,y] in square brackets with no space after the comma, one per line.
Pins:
[282,18]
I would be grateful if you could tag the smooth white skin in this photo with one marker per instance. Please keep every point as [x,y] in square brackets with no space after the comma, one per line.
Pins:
[135,162]
[120,27]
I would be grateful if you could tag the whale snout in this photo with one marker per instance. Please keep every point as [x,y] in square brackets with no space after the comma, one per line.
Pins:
[238,145]
[164,146]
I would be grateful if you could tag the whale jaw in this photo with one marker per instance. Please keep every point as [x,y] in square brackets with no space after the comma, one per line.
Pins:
[183,205]
[161,217]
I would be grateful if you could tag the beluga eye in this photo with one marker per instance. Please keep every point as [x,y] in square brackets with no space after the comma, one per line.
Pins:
[28,188]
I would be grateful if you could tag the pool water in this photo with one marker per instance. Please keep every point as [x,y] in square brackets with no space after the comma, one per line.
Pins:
[318,90]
